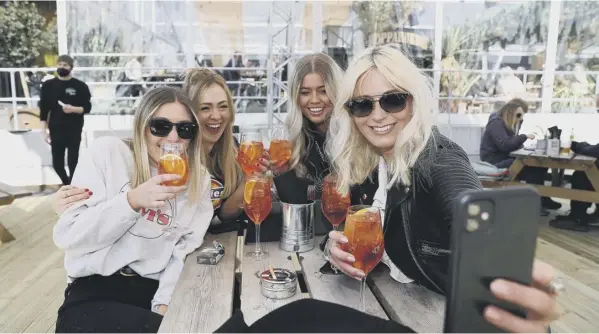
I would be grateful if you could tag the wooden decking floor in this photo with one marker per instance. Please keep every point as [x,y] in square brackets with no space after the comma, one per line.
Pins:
[32,271]
[33,277]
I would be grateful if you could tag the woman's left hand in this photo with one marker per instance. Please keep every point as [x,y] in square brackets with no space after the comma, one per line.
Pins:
[540,305]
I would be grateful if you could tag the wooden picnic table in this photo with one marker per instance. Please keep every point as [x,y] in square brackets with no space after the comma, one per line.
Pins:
[202,300]
[570,161]
[7,195]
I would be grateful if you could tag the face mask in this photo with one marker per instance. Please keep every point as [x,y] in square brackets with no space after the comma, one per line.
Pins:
[63,72]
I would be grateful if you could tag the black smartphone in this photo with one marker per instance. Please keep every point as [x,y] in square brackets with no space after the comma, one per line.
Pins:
[494,235]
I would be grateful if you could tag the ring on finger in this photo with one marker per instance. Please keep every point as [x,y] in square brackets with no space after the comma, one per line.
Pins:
[556,286]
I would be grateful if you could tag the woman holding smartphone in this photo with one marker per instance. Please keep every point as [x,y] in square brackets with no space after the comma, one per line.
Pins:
[385,147]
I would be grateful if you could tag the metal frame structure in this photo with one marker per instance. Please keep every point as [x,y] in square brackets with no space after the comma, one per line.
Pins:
[276,88]
[277,95]
[551,54]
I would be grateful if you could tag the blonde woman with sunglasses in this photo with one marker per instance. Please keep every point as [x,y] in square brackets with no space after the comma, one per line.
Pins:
[125,246]
[384,146]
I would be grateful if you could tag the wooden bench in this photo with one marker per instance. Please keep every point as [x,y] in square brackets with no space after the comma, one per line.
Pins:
[203,298]
[572,161]
[16,192]
[7,195]
[5,236]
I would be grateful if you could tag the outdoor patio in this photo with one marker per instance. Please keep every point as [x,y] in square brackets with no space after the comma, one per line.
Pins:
[34,279]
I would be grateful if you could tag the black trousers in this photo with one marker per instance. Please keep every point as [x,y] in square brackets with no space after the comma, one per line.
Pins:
[580,181]
[533,175]
[61,142]
[313,316]
[113,304]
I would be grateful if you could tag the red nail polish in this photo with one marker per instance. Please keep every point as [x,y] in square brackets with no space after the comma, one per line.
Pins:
[90,193]
[86,189]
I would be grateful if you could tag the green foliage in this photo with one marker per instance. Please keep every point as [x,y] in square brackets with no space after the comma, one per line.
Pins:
[23,34]
[374,16]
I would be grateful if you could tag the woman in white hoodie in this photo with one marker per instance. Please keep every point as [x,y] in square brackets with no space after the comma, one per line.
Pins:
[124,252]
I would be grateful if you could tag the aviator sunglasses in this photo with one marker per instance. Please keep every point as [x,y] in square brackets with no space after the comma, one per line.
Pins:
[391,102]
[161,127]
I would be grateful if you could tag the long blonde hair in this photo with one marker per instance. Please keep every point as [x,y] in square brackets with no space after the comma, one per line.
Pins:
[297,124]
[221,160]
[151,102]
[353,158]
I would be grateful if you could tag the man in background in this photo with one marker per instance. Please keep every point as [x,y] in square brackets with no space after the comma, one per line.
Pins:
[578,219]
[63,101]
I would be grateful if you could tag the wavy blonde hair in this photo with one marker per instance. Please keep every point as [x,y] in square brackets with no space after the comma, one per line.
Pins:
[151,102]
[221,159]
[353,158]
[297,124]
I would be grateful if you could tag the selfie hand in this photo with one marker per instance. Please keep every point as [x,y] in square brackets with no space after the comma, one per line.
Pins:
[540,305]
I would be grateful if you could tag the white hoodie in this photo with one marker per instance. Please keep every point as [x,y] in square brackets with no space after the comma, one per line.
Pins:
[103,234]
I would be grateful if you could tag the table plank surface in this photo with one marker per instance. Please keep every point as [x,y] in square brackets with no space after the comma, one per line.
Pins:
[339,289]
[5,198]
[253,304]
[409,304]
[521,153]
[203,298]
[573,157]
[14,191]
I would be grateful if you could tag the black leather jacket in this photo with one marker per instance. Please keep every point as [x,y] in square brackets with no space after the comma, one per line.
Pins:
[418,217]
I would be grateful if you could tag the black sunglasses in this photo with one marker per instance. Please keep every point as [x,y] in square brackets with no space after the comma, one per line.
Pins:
[391,102]
[161,127]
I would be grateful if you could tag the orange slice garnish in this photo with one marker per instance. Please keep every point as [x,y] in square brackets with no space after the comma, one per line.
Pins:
[250,150]
[173,164]
[249,190]
[363,212]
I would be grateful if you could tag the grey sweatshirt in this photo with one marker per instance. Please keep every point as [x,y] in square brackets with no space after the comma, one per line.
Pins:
[103,234]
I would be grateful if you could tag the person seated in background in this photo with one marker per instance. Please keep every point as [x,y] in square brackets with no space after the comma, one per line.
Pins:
[523,104]
[578,219]
[501,137]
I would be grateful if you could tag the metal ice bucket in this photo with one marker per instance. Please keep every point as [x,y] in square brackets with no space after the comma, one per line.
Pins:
[297,234]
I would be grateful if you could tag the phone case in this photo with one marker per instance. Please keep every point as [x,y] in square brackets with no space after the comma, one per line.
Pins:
[502,246]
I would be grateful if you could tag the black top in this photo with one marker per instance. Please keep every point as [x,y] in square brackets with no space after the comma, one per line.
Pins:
[418,217]
[498,141]
[74,92]
[585,148]
[293,189]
